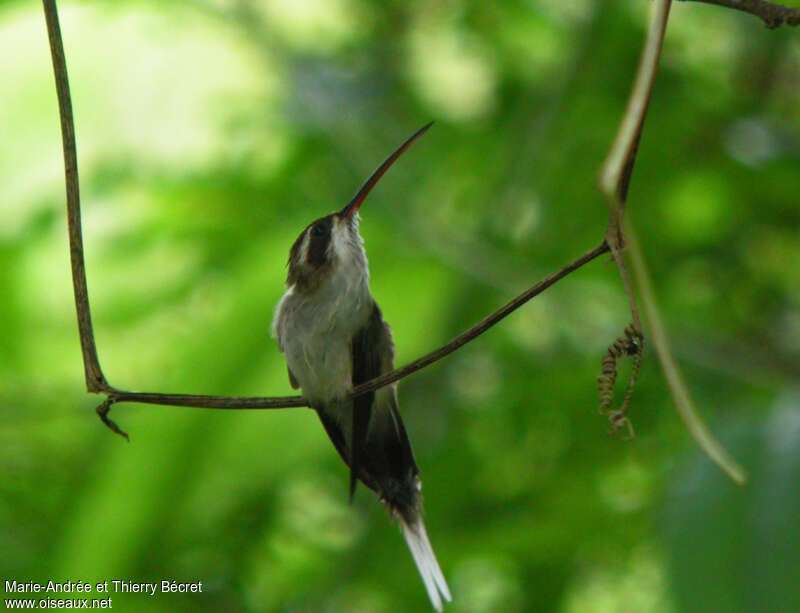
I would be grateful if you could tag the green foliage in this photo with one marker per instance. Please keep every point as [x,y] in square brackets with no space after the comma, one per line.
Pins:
[210,133]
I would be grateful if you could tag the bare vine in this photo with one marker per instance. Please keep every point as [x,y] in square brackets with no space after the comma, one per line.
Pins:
[773,15]
[97,383]
[630,344]
[619,236]
[614,181]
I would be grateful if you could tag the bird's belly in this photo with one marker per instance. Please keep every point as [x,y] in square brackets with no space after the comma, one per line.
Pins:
[323,369]
[316,335]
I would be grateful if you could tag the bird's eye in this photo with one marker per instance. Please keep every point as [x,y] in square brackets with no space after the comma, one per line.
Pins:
[317,230]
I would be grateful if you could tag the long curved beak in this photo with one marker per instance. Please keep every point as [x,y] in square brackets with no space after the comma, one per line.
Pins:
[358,199]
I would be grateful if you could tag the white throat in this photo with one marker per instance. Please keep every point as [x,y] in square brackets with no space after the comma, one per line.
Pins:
[315,330]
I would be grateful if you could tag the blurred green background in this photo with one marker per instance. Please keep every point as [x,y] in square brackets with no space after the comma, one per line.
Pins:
[210,132]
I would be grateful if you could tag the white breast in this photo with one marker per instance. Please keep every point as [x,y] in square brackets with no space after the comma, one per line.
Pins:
[315,332]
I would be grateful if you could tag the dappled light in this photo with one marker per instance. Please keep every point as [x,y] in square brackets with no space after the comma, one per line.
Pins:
[210,133]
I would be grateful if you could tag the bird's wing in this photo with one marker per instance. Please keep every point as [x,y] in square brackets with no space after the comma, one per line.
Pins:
[366,356]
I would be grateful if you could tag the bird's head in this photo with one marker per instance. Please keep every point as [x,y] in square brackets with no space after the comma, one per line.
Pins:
[334,240]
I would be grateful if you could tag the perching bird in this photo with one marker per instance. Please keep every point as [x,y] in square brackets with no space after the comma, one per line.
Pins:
[334,337]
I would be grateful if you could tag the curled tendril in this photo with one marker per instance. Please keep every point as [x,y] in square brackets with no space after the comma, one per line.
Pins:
[630,344]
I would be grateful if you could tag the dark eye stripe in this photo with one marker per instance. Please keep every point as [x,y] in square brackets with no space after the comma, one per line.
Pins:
[319,238]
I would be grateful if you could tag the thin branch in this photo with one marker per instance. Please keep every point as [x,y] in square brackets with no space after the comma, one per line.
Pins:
[95,381]
[617,169]
[482,326]
[773,14]
[680,393]
[614,181]
[209,402]
[281,402]
[615,178]
[103,411]
[618,166]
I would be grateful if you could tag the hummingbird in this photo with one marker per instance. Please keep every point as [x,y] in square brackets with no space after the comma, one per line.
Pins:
[333,336]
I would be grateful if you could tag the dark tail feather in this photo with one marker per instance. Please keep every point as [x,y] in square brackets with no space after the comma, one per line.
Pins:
[362,407]
[353,482]
[354,458]
[385,463]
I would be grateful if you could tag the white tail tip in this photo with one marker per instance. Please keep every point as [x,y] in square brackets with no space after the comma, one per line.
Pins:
[421,550]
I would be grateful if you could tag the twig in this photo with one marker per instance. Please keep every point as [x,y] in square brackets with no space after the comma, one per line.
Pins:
[209,402]
[630,344]
[680,393]
[95,381]
[774,15]
[482,326]
[282,402]
[618,166]
[102,413]
[617,169]
[614,183]
[615,177]
[614,180]
[285,402]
